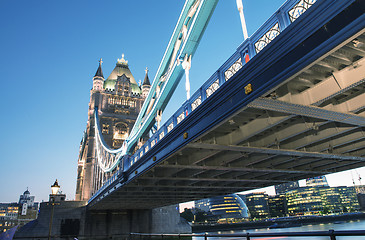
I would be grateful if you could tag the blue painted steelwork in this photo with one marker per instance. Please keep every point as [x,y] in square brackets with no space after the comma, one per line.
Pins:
[295,50]
[170,70]
[245,52]
[184,41]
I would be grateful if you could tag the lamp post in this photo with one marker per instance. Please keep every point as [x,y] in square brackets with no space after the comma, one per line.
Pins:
[54,188]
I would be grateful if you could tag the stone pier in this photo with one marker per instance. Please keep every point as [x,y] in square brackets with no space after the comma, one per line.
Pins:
[72,219]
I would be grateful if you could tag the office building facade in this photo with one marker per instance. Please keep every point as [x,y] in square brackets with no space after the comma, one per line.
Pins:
[224,207]
[257,204]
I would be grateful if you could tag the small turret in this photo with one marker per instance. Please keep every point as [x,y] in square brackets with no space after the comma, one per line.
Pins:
[98,79]
[146,85]
[26,193]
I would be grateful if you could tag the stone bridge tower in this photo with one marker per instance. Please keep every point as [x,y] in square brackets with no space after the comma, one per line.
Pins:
[119,100]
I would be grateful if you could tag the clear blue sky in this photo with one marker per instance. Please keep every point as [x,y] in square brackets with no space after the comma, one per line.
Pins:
[49,54]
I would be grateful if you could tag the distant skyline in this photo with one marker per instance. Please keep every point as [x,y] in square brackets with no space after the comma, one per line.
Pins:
[49,55]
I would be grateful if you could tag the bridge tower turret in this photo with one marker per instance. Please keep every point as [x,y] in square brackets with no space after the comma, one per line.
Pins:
[146,85]
[98,79]
[87,154]
[119,100]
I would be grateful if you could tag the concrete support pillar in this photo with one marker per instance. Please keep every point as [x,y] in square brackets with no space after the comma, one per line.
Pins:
[74,219]
[118,224]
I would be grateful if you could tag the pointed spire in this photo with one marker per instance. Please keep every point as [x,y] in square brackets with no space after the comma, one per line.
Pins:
[99,72]
[146,80]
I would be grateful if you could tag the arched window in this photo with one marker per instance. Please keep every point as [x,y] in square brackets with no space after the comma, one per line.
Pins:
[120,131]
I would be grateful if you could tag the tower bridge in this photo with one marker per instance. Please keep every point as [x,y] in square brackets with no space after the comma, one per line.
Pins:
[287,105]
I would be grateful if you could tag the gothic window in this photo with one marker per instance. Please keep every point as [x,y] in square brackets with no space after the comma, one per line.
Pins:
[120,87]
[110,100]
[120,131]
[105,129]
[132,104]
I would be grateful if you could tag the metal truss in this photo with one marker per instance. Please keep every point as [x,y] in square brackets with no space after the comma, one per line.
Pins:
[302,116]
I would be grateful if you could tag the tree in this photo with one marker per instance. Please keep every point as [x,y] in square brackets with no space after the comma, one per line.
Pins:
[325,210]
[200,216]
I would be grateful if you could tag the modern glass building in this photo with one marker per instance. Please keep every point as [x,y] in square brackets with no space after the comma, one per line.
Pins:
[304,201]
[319,181]
[331,200]
[316,200]
[284,187]
[277,206]
[203,205]
[228,207]
[349,198]
[8,216]
[257,204]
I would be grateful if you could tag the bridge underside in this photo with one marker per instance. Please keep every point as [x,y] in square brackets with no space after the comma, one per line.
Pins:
[311,124]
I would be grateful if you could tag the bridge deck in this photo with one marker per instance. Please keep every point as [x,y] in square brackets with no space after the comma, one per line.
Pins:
[305,117]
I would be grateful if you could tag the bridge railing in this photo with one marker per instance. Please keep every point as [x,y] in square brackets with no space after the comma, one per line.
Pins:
[331,234]
[287,14]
